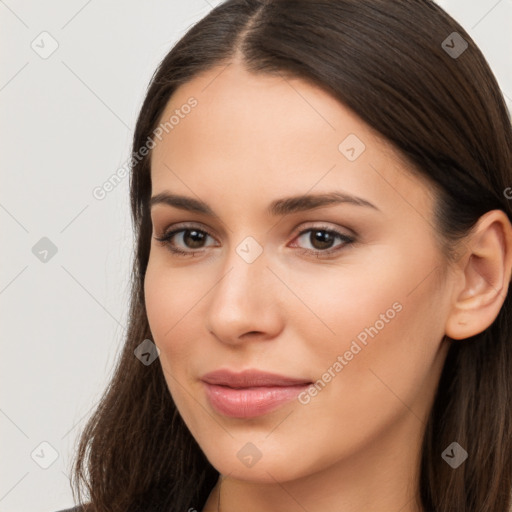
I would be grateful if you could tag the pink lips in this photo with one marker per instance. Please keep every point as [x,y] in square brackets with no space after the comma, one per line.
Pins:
[250,393]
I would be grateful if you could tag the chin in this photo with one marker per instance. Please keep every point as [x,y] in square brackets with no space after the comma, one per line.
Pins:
[257,462]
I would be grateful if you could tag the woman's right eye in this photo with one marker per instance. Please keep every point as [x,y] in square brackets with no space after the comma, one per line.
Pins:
[191,237]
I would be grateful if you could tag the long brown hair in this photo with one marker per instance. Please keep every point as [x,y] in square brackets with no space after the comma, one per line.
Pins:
[392,63]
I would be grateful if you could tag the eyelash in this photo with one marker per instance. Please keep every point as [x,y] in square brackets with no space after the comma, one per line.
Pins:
[165,240]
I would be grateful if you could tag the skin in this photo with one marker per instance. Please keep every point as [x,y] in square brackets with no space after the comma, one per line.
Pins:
[355,446]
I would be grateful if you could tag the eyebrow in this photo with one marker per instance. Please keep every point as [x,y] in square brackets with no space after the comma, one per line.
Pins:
[278,207]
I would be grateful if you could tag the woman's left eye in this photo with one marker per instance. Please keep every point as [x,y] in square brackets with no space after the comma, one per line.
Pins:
[321,238]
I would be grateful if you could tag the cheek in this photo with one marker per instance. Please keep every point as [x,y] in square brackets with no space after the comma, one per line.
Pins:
[170,301]
[385,311]
[387,329]
[170,308]
[333,306]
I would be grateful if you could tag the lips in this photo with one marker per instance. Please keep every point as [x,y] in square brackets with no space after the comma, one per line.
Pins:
[250,393]
[251,378]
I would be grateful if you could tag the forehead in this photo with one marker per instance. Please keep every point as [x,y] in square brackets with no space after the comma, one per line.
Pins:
[268,136]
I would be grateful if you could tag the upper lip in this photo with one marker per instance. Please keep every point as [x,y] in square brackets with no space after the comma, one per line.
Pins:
[250,378]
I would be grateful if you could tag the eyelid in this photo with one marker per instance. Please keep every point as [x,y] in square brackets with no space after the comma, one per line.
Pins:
[184,225]
[324,225]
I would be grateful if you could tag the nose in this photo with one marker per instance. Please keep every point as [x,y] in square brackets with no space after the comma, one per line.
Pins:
[245,303]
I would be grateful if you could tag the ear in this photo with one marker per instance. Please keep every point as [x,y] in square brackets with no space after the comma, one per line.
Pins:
[483,276]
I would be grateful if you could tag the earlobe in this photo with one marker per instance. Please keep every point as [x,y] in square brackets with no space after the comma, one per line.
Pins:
[485,271]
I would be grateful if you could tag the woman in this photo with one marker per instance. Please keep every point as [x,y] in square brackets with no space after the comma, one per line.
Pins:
[320,317]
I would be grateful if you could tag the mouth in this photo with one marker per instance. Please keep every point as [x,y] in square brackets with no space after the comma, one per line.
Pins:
[250,393]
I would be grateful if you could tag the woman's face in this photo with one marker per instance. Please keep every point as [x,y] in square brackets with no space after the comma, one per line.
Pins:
[348,294]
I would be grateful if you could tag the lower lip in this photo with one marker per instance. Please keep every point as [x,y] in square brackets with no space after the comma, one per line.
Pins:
[250,402]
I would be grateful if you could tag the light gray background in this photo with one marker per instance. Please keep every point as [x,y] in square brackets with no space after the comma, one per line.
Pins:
[66,127]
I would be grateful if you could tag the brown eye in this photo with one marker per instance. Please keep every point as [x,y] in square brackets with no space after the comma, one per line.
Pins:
[322,240]
[186,238]
[193,238]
